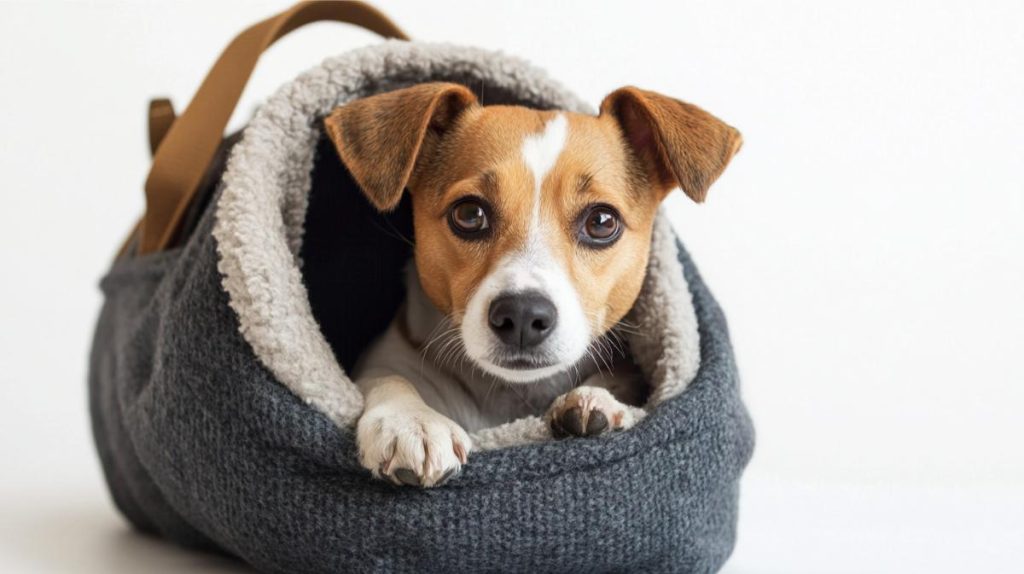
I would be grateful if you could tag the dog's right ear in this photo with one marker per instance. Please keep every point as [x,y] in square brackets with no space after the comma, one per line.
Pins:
[379,138]
[677,143]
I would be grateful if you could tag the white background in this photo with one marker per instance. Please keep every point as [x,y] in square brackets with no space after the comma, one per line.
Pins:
[866,244]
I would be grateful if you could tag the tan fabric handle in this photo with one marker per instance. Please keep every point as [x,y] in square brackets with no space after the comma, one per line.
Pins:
[189,144]
[161,117]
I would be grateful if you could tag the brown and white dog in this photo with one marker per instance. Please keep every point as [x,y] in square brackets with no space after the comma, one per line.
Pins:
[532,231]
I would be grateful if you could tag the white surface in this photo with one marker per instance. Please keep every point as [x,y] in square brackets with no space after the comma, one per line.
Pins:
[866,244]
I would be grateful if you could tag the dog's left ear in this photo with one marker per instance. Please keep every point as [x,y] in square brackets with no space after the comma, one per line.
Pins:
[678,144]
[381,137]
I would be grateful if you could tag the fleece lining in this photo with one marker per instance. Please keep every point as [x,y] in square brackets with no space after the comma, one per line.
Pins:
[267,185]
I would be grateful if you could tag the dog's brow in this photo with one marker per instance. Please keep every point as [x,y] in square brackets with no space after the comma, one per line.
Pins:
[584,182]
[489,183]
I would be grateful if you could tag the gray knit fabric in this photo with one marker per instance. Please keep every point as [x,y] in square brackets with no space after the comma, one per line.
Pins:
[201,444]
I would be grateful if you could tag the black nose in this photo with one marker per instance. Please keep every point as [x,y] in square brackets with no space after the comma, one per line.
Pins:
[523,319]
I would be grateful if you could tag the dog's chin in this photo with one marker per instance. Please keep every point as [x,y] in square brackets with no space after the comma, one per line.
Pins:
[518,370]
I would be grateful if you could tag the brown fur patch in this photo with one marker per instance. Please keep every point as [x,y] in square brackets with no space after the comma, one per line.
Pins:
[380,138]
[678,143]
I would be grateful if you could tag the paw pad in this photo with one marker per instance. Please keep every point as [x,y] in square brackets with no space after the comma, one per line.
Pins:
[587,411]
[578,422]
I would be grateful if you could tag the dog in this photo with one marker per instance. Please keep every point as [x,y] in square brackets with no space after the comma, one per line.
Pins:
[531,238]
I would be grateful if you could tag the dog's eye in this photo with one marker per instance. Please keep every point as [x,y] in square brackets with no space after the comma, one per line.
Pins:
[601,226]
[468,219]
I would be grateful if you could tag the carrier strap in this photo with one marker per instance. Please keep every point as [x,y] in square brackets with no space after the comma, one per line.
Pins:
[185,146]
[161,116]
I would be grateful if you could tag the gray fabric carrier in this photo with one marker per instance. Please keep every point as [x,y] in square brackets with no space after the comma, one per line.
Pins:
[224,419]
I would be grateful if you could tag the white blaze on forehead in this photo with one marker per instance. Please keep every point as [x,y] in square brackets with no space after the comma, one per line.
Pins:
[540,152]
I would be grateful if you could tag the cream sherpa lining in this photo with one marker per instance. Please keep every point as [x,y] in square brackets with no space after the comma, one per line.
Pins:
[262,209]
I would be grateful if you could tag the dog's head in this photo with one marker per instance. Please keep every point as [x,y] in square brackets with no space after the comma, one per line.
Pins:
[532,228]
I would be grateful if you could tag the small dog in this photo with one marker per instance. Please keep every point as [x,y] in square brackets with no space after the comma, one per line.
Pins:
[532,231]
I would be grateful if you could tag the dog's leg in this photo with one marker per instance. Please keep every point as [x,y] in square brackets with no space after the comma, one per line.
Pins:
[403,440]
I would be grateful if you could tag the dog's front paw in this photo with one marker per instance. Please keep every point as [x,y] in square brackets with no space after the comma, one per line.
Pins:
[415,446]
[587,411]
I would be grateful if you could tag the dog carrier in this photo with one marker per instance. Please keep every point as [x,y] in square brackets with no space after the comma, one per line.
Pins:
[259,273]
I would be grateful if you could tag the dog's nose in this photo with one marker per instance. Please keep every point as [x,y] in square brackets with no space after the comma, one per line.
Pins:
[523,319]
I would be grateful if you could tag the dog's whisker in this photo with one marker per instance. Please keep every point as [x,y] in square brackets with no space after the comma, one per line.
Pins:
[431,339]
[605,358]
[393,232]
[522,398]
[615,339]
[615,349]
[490,389]
[594,359]
[443,339]
[574,377]
[457,352]
[450,352]
[433,336]
[626,323]
[626,329]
